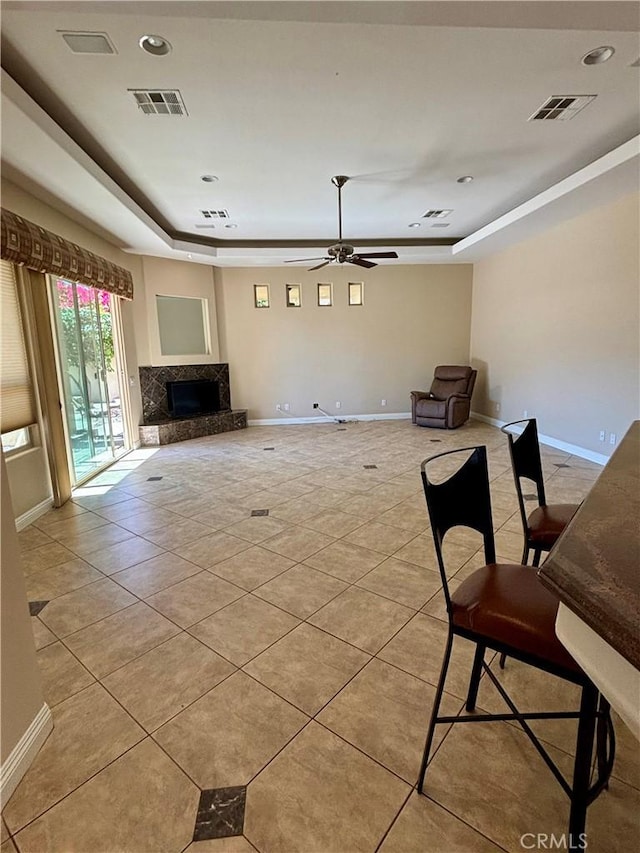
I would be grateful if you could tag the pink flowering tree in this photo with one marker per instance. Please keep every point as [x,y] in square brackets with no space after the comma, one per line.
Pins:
[88,323]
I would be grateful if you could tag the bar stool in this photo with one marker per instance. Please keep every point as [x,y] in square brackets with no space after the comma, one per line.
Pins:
[543,526]
[505,608]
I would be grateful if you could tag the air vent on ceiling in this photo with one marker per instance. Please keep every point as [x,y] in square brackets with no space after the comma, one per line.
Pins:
[441,224]
[160,101]
[88,42]
[215,214]
[436,214]
[561,107]
[207,225]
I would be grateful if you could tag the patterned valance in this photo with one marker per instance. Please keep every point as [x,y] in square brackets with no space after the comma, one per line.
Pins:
[29,245]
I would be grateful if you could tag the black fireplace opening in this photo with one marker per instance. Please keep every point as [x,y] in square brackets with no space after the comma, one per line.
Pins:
[189,397]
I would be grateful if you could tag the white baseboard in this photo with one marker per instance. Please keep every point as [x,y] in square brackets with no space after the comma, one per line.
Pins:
[392,416]
[19,759]
[572,449]
[33,514]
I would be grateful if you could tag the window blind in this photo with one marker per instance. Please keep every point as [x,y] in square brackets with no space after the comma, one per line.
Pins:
[16,392]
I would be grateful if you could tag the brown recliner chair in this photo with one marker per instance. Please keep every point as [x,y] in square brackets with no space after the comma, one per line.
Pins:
[448,403]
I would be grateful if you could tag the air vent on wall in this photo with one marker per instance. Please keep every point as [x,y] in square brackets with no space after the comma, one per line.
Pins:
[160,101]
[561,107]
[87,42]
[215,214]
[436,214]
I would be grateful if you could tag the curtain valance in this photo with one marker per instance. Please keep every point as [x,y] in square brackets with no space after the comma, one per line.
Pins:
[29,245]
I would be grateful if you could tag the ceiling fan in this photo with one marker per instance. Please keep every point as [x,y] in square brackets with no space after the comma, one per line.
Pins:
[344,252]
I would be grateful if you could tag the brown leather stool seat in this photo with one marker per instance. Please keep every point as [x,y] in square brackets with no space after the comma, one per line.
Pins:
[546,523]
[508,604]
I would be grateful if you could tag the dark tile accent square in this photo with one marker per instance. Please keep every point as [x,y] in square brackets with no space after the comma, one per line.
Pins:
[255,512]
[220,813]
[561,465]
[153,479]
[36,607]
[268,448]
[369,466]
[530,497]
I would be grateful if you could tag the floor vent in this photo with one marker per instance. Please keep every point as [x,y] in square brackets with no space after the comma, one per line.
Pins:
[166,102]
[561,107]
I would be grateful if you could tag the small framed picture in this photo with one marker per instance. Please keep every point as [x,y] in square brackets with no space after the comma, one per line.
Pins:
[356,293]
[261,295]
[325,294]
[294,296]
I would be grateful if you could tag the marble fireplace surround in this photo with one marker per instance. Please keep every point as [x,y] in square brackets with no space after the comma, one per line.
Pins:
[159,428]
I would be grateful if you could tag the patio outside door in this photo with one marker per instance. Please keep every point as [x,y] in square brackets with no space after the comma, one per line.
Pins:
[90,373]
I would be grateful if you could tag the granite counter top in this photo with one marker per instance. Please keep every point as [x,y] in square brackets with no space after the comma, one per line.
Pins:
[594,567]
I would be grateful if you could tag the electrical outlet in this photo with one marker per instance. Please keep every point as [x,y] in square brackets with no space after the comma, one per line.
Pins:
[383,402]
[603,435]
[316,405]
[286,407]
[612,438]
[278,407]
[338,404]
[497,408]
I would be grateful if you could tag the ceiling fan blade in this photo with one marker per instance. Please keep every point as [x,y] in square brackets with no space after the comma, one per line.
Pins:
[355,259]
[319,265]
[377,254]
[306,260]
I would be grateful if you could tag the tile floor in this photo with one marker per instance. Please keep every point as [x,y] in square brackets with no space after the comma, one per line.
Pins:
[215,668]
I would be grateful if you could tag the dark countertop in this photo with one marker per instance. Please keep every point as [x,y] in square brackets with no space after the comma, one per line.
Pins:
[594,567]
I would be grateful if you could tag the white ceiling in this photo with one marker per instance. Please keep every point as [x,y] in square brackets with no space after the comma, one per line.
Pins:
[402,97]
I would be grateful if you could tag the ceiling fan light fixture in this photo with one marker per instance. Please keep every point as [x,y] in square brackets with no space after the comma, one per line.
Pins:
[209,179]
[598,55]
[155,45]
[464,179]
[415,224]
[231,225]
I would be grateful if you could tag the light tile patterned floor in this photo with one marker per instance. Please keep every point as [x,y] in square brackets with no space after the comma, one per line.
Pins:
[188,645]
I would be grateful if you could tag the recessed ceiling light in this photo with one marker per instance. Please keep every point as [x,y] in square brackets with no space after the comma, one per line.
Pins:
[155,45]
[230,225]
[415,224]
[209,179]
[598,55]
[465,179]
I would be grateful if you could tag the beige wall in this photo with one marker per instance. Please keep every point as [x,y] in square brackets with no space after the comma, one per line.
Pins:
[21,694]
[413,318]
[555,327]
[165,277]
[28,479]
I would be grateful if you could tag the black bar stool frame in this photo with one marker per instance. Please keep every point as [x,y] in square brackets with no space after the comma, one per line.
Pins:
[464,500]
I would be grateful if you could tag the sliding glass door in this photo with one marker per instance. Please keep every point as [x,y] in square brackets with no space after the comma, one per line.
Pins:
[86,324]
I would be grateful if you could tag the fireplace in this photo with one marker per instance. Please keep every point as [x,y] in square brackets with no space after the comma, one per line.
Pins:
[154,382]
[187,398]
[186,401]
